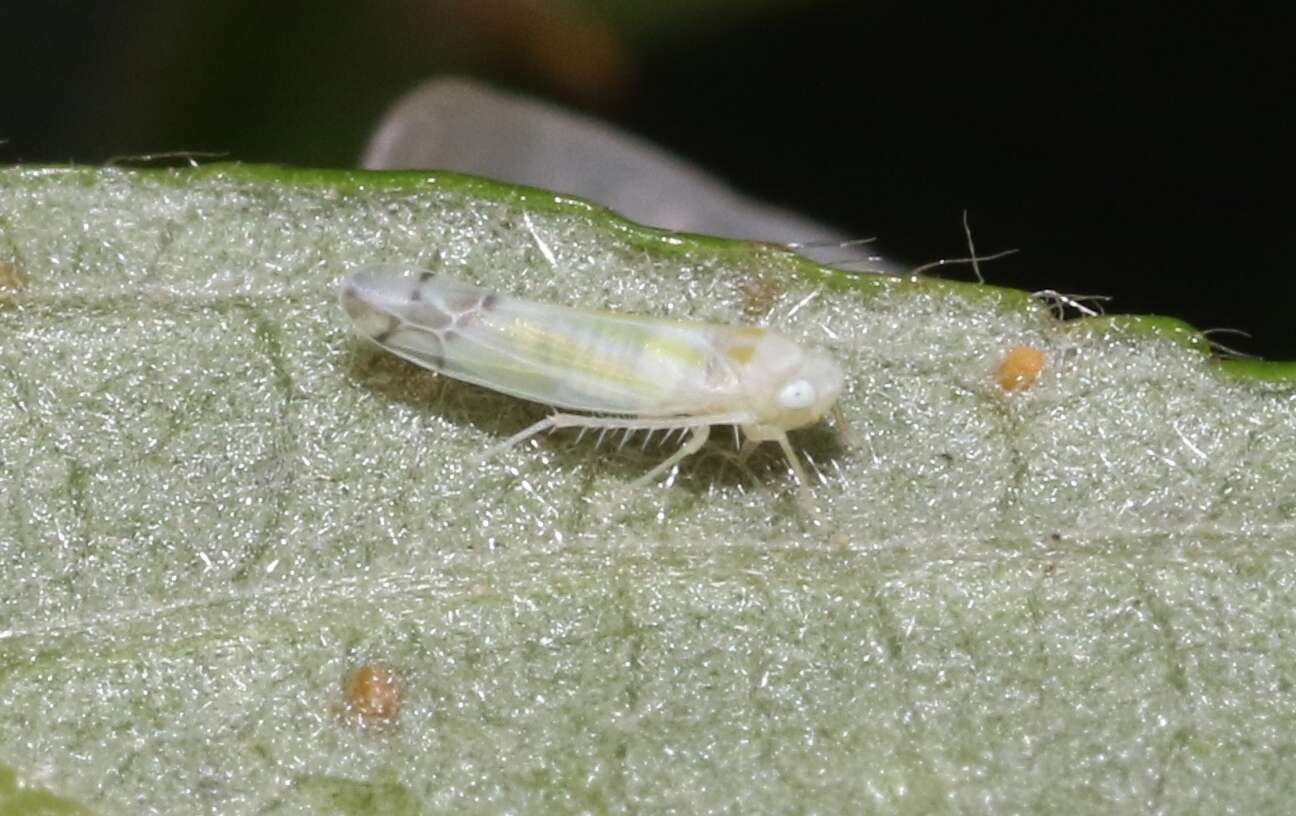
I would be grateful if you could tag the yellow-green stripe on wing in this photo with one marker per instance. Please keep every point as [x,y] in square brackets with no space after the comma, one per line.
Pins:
[585,360]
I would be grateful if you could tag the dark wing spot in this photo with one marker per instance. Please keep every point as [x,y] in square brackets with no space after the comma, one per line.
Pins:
[393,325]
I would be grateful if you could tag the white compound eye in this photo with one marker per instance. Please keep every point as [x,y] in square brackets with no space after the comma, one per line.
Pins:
[797,394]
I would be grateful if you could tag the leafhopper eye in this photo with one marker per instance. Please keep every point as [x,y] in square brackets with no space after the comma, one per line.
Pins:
[798,394]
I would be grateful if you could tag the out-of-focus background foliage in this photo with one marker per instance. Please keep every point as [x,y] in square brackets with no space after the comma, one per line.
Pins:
[1135,152]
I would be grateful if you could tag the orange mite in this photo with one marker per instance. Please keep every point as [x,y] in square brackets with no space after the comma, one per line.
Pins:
[371,692]
[1019,368]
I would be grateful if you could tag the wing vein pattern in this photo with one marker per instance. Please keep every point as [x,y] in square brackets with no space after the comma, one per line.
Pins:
[584,360]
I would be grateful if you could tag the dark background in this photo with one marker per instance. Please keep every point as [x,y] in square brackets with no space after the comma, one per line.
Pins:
[1134,152]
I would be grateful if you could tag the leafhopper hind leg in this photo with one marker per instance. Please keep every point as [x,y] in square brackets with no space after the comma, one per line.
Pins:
[692,446]
[555,421]
[523,435]
[699,425]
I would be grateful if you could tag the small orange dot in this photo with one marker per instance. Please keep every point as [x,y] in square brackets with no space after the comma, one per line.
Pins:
[372,692]
[1019,368]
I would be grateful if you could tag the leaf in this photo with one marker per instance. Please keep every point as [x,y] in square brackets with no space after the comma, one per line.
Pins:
[217,506]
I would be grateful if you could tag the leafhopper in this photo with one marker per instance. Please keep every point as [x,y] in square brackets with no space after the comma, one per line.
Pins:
[603,370]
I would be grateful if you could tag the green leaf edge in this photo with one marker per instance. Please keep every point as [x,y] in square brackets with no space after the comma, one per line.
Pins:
[661,240]
[358,181]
